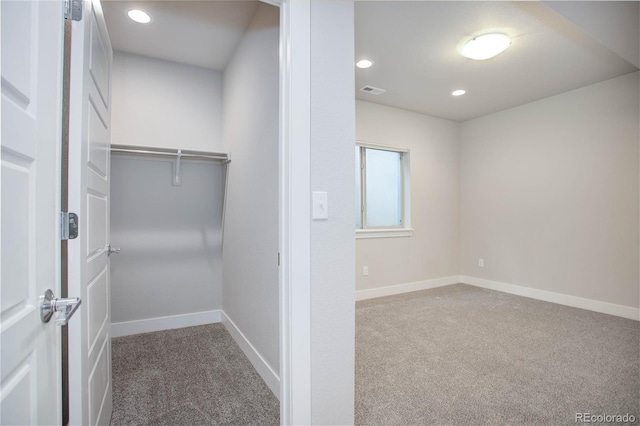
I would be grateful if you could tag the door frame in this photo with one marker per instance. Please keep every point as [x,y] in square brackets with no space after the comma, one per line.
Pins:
[294,211]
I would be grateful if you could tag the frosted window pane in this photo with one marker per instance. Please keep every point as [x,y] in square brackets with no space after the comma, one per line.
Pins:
[384,188]
[358,191]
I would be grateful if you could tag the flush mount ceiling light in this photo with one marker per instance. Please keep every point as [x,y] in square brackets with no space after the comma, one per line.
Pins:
[458,92]
[364,63]
[486,46]
[139,16]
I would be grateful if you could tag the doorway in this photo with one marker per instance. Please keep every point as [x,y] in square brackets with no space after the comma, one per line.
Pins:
[179,264]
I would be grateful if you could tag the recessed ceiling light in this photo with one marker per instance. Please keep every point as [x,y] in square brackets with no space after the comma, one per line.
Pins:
[458,92]
[486,46]
[139,16]
[364,63]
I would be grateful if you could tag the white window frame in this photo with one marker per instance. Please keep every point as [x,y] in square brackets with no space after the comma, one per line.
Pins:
[405,229]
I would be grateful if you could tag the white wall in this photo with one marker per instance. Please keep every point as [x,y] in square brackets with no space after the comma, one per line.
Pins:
[433,249]
[165,104]
[332,242]
[250,247]
[170,236]
[549,193]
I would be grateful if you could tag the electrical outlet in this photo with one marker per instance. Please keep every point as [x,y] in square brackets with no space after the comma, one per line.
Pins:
[481,263]
[365,271]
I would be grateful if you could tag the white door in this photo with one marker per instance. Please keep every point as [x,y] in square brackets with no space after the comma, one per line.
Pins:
[89,158]
[30,387]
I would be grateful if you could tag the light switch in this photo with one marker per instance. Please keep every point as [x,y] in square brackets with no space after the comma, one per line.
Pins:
[320,208]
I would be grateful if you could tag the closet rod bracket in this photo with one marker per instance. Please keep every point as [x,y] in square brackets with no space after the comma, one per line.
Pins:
[177,177]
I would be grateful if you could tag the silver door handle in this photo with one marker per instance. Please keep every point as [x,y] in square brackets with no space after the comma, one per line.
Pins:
[112,250]
[64,308]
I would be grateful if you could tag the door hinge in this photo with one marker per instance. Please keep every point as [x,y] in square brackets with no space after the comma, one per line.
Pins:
[278,258]
[68,226]
[73,10]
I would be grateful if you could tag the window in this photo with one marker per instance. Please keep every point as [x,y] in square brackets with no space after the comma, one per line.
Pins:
[382,191]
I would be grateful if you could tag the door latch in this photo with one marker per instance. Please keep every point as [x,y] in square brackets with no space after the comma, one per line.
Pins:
[64,308]
[112,250]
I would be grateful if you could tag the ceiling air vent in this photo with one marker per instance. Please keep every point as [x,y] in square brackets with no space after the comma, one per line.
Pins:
[372,90]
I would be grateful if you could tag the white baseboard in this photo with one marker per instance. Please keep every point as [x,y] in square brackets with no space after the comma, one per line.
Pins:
[127,328]
[550,296]
[391,290]
[547,296]
[270,377]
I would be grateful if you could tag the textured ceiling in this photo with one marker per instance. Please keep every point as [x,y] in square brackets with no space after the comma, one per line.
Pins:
[201,33]
[415,48]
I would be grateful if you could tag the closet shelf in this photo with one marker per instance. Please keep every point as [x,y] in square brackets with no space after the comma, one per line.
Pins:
[177,153]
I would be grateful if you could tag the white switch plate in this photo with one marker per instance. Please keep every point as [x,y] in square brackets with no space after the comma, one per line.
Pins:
[320,207]
[481,263]
[365,271]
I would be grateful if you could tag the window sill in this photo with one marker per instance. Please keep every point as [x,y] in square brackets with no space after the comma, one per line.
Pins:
[383,233]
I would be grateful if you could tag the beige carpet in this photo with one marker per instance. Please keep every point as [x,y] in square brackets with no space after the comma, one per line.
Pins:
[189,376]
[461,355]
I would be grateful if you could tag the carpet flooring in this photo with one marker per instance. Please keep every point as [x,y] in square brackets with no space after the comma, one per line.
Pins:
[461,355]
[189,376]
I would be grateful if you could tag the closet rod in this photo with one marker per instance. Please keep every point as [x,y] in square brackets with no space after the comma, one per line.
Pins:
[124,149]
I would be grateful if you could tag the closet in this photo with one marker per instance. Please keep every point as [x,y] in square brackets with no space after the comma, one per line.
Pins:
[194,172]
[167,185]
[166,218]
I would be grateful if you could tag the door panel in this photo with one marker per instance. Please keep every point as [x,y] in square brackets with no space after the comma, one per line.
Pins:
[30,249]
[16,407]
[97,216]
[18,23]
[15,256]
[99,383]
[98,311]
[89,162]
[98,143]
[100,57]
